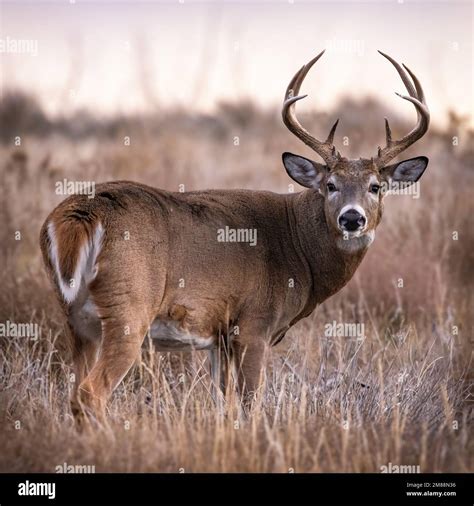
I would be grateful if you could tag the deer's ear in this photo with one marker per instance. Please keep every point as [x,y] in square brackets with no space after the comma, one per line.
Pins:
[406,172]
[304,171]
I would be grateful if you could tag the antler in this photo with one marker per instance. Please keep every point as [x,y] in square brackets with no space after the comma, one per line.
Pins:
[325,150]
[417,98]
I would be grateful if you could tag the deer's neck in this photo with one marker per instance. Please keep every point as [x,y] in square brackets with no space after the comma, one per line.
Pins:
[327,266]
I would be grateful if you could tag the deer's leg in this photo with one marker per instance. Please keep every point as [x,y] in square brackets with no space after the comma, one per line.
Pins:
[84,358]
[85,334]
[219,361]
[85,354]
[249,358]
[122,338]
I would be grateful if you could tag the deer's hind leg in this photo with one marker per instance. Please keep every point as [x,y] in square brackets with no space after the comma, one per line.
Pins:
[123,332]
[85,332]
[85,354]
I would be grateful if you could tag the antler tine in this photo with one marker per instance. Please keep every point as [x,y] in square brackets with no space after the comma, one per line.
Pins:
[330,138]
[388,132]
[419,89]
[406,81]
[304,71]
[324,149]
[420,107]
[417,98]
[290,90]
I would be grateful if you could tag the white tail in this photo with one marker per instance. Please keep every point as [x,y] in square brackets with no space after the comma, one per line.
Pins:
[85,269]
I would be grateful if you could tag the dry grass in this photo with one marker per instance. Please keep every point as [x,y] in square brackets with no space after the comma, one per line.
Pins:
[339,404]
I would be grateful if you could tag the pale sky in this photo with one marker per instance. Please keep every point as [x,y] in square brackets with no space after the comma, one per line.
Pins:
[119,57]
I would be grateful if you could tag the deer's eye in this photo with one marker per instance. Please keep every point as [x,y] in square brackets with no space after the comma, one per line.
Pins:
[331,187]
[374,188]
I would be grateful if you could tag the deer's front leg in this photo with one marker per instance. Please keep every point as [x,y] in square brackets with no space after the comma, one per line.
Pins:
[219,360]
[249,357]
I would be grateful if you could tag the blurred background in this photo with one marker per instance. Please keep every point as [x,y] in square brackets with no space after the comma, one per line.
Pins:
[188,95]
[126,57]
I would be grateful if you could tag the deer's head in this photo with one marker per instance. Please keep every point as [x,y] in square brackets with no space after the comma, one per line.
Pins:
[353,190]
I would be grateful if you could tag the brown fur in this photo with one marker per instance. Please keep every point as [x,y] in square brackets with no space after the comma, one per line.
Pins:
[173,237]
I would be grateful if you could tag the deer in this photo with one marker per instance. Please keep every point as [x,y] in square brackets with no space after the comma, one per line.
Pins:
[136,261]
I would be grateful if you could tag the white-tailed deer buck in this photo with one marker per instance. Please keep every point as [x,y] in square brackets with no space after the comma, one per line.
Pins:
[136,259]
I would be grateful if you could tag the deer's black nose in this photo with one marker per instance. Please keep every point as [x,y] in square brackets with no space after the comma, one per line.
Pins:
[351,220]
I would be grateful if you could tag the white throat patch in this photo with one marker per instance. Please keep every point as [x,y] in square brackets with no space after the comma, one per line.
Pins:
[355,243]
